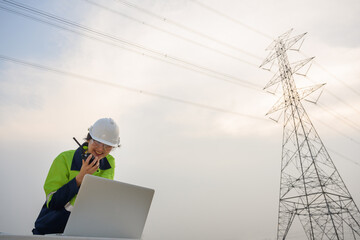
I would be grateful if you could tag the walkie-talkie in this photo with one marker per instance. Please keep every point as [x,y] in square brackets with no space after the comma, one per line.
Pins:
[84,155]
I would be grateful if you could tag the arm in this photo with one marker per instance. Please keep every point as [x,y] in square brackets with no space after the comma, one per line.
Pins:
[63,195]
[59,189]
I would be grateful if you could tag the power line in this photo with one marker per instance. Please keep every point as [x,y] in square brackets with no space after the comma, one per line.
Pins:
[127,3]
[179,25]
[172,34]
[267,36]
[332,128]
[232,19]
[67,22]
[337,98]
[333,76]
[120,86]
[341,100]
[345,120]
[344,157]
[187,65]
[151,53]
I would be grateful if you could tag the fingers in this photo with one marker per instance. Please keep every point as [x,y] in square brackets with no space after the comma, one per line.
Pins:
[91,160]
[91,167]
[87,168]
[95,164]
[88,159]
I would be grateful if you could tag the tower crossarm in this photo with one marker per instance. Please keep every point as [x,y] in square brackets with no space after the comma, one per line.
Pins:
[287,43]
[302,93]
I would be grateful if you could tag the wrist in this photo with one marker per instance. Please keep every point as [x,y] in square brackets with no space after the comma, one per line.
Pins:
[79,179]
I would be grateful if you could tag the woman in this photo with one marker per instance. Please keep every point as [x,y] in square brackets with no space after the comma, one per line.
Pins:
[68,170]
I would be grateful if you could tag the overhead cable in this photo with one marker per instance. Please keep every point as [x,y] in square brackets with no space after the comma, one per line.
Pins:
[114,41]
[341,100]
[345,120]
[120,86]
[333,76]
[130,46]
[268,36]
[337,98]
[172,34]
[339,132]
[232,19]
[179,25]
[344,157]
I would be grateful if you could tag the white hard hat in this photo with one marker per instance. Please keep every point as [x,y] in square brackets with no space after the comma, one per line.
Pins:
[105,131]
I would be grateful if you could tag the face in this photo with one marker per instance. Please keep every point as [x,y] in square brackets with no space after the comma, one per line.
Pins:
[98,149]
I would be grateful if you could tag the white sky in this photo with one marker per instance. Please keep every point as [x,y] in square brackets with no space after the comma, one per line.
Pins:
[216,174]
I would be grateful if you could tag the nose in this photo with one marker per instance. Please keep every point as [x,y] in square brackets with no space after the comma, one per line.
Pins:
[99,147]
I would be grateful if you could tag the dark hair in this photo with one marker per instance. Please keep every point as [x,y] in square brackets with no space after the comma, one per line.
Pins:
[88,137]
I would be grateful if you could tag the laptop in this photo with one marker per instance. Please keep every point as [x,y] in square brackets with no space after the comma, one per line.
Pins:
[109,209]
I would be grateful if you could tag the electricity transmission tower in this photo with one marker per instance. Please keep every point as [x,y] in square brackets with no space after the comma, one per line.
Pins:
[311,188]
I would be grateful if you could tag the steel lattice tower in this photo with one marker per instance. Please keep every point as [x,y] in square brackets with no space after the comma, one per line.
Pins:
[310,187]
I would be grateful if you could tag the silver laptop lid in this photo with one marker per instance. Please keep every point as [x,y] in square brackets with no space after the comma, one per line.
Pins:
[108,208]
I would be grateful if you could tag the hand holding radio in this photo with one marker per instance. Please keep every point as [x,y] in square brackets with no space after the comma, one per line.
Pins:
[89,166]
[86,155]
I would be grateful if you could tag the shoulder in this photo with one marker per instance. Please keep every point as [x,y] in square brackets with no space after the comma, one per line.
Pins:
[67,153]
[111,160]
[61,165]
[65,156]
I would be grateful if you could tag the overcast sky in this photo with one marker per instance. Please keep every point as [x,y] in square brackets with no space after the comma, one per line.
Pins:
[182,81]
